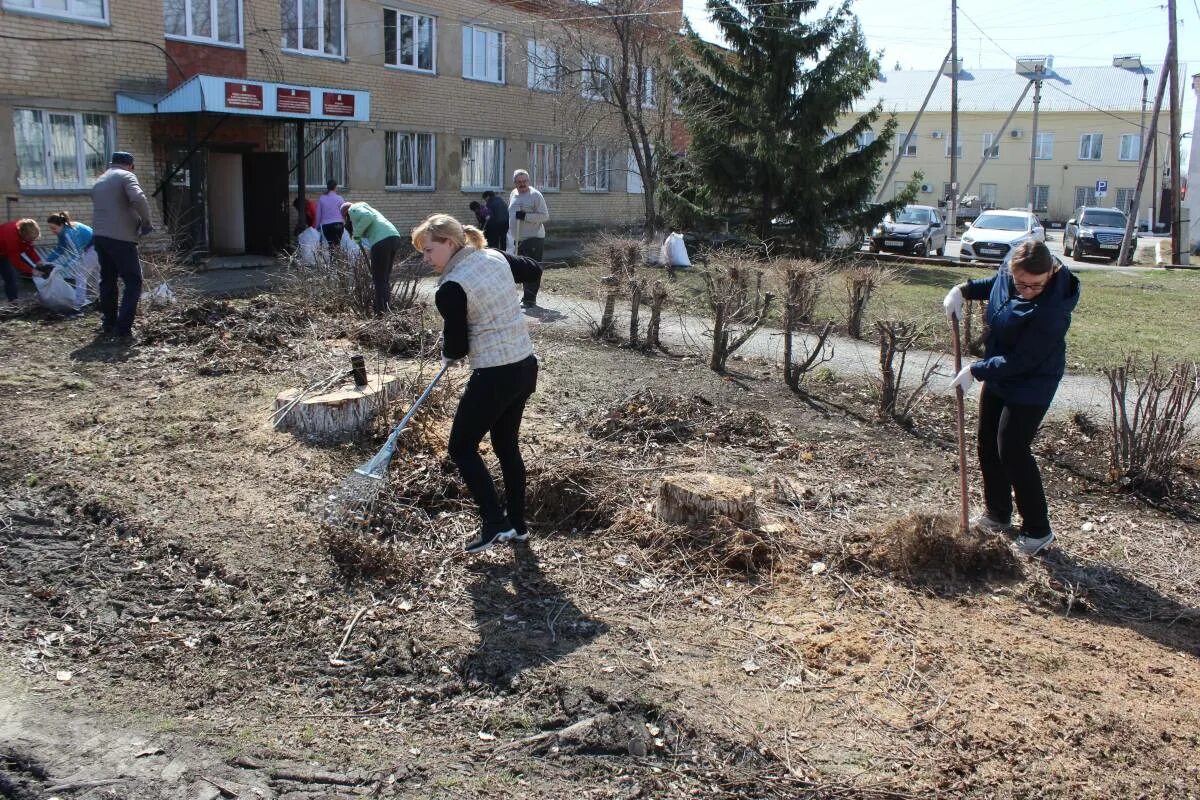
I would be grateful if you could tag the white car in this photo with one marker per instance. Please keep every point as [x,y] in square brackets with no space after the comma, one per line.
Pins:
[994,233]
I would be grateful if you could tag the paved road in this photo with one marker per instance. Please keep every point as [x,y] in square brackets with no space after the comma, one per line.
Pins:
[1054,242]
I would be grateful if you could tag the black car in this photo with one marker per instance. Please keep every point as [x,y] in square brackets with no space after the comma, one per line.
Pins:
[915,230]
[1093,231]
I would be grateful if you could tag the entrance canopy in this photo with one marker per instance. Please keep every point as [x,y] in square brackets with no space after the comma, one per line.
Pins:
[214,94]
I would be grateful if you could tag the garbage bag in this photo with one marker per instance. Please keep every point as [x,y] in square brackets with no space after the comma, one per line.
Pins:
[56,292]
[675,251]
[306,246]
[161,296]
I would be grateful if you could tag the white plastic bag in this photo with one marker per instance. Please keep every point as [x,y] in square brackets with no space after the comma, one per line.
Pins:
[56,292]
[350,247]
[676,253]
[161,296]
[306,246]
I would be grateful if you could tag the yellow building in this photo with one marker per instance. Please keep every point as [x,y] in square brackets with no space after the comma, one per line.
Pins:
[1088,130]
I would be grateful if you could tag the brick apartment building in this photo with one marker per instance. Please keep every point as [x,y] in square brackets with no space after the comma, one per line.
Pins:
[414,107]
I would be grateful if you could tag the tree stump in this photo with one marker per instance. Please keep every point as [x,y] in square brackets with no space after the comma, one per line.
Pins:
[700,496]
[338,413]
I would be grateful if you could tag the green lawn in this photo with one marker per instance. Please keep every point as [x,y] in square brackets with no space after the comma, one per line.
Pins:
[1150,311]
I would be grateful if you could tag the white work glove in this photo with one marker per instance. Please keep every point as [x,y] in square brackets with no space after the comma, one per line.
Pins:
[962,380]
[449,362]
[953,304]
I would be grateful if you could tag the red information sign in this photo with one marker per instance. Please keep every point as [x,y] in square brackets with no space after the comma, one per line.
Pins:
[336,104]
[243,95]
[293,101]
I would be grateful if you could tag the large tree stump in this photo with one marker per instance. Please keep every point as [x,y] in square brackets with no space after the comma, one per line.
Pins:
[700,496]
[338,413]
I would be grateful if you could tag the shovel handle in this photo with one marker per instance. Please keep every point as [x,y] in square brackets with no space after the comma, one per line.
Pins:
[961,426]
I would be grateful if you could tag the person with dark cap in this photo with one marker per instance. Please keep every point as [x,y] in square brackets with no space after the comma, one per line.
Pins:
[495,230]
[120,216]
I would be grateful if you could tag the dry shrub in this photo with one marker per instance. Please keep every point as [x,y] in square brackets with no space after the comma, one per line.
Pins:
[650,416]
[563,498]
[411,333]
[929,548]
[338,283]
[861,283]
[719,545]
[738,304]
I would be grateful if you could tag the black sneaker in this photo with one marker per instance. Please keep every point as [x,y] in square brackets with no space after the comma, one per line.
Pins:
[520,534]
[490,535]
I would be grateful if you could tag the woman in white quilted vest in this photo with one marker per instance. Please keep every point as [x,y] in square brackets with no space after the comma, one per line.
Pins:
[477,299]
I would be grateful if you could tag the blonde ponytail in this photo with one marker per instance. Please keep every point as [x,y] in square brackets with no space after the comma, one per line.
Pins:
[474,237]
[445,228]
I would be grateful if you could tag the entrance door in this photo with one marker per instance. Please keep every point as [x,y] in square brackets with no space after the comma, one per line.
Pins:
[265,178]
[227,210]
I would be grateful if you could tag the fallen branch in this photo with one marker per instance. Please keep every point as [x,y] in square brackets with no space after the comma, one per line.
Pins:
[334,660]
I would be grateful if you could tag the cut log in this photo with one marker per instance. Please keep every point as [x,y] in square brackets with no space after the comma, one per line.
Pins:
[700,496]
[339,413]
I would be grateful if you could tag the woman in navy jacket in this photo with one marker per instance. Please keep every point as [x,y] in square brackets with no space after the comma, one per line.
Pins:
[1029,311]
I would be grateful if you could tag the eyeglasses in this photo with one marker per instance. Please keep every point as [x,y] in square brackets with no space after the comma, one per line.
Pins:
[1037,287]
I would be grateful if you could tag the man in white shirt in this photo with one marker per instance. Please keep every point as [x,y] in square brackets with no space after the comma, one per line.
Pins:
[528,212]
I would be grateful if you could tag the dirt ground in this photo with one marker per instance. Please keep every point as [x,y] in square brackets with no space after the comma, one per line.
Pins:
[174,622]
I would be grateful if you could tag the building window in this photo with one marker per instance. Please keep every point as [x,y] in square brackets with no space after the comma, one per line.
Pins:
[85,10]
[409,160]
[1085,196]
[61,149]
[957,149]
[326,157]
[990,148]
[312,26]
[595,170]
[1043,148]
[1125,200]
[409,40]
[908,146]
[543,67]
[633,181]
[594,77]
[865,139]
[1131,147]
[987,195]
[1041,198]
[648,88]
[483,54]
[482,164]
[544,165]
[1091,146]
[211,21]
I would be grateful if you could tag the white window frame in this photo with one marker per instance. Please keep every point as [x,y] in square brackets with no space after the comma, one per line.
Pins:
[1135,141]
[595,64]
[1127,191]
[1085,195]
[299,47]
[908,145]
[959,154]
[1043,146]
[865,139]
[540,156]
[468,54]
[213,38]
[987,195]
[543,66]
[392,153]
[649,88]
[468,155]
[596,177]
[72,14]
[85,181]
[1041,190]
[316,179]
[991,147]
[1089,144]
[633,176]
[416,18]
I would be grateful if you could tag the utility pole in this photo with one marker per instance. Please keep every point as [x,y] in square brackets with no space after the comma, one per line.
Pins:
[952,221]
[1037,101]
[1173,141]
[1125,257]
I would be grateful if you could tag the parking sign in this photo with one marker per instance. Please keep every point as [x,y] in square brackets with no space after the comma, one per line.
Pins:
[1101,187]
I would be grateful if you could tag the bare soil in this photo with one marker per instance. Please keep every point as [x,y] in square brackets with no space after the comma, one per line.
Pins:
[176,621]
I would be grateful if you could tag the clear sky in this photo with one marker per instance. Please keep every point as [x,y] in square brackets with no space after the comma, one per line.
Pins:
[916,33]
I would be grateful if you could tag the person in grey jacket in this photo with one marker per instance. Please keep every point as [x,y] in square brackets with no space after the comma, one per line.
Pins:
[528,209]
[120,216]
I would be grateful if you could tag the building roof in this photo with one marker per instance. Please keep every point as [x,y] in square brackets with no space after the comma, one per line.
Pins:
[996,90]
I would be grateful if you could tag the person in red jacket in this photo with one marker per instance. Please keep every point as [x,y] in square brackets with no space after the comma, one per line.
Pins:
[17,253]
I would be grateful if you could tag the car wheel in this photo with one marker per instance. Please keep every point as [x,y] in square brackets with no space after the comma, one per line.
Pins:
[874,249]
[941,251]
[925,248]
[1066,248]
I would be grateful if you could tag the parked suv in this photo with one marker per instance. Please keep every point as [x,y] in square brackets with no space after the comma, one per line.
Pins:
[916,230]
[1093,231]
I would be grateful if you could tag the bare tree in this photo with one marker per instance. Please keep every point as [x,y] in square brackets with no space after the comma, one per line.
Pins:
[861,283]
[1150,425]
[658,298]
[608,64]
[737,313]
[896,338]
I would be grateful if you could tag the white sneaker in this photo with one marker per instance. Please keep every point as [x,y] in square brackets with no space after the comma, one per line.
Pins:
[1031,546]
[989,524]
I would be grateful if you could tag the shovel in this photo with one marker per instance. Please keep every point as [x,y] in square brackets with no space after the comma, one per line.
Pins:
[960,414]
[377,467]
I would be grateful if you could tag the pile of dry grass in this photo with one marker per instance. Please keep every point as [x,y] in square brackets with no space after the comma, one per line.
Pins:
[930,549]
[719,546]
[410,333]
[651,416]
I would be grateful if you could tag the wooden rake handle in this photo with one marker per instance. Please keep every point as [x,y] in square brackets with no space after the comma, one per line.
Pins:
[961,426]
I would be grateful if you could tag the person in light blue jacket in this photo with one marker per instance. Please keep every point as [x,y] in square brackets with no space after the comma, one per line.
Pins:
[73,254]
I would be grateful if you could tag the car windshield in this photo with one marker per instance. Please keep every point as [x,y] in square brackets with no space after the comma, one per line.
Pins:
[996,222]
[1109,219]
[913,216]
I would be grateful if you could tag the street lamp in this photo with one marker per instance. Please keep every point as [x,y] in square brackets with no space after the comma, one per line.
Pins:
[1034,68]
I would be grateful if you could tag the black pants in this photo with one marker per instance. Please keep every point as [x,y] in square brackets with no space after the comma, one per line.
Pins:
[383,254]
[494,402]
[118,259]
[9,274]
[332,231]
[1006,459]
[532,248]
[496,236]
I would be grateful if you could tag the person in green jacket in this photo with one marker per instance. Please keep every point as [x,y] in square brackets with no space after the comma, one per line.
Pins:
[364,222]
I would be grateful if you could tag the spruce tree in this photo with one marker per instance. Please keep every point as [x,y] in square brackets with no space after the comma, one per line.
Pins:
[767,118]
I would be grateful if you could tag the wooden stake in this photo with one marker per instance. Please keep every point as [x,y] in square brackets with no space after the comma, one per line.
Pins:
[960,413]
